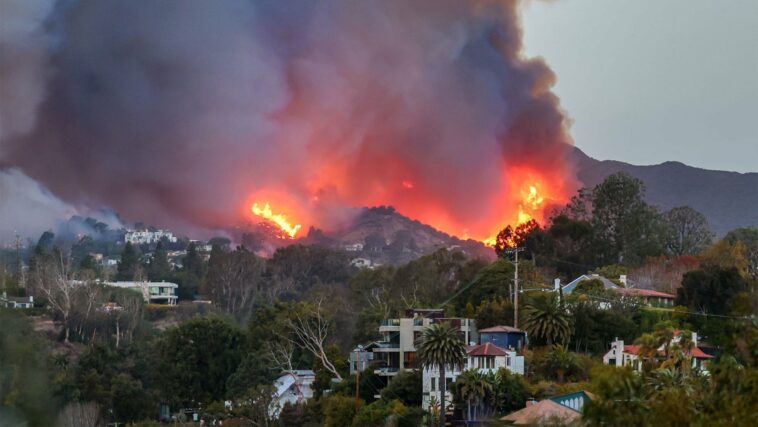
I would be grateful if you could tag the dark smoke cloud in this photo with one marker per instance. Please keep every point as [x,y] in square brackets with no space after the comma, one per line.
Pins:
[180,113]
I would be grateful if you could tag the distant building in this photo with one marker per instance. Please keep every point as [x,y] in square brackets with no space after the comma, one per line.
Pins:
[353,247]
[648,296]
[629,355]
[16,302]
[397,350]
[293,388]
[564,409]
[152,292]
[607,283]
[506,337]
[485,358]
[139,237]
[361,263]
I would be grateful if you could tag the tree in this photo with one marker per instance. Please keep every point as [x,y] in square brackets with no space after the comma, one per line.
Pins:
[257,406]
[53,279]
[198,357]
[406,386]
[546,317]
[748,236]
[441,347]
[309,330]
[339,411]
[687,231]
[236,281]
[560,360]
[474,388]
[129,266]
[77,414]
[711,290]
[628,228]
[511,391]
[159,268]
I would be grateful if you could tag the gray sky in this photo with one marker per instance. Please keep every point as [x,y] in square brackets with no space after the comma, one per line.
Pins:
[647,81]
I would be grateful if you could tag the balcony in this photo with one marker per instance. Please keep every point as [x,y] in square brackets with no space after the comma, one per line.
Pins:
[385,346]
[389,325]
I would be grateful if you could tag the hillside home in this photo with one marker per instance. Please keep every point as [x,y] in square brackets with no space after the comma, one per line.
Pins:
[607,283]
[397,349]
[565,409]
[485,358]
[502,336]
[153,292]
[16,302]
[629,355]
[292,387]
[649,297]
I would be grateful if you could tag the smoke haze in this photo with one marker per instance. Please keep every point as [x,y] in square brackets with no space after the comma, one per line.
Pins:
[182,113]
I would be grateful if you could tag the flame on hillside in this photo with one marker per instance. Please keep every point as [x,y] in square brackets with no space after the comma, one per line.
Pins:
[279,219]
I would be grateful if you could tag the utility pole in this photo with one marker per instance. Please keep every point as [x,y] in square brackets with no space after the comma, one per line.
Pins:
[515,251]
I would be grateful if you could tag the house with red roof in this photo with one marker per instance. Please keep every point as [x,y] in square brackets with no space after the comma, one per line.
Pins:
[629,355]
[648,296]
[486,358]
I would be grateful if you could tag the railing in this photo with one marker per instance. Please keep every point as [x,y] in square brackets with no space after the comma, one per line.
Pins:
[391,322]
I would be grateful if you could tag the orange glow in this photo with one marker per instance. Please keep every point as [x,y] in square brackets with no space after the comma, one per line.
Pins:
[530,205]
[279,219]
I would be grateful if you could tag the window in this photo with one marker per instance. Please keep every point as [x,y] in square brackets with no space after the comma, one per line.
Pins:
[434,384]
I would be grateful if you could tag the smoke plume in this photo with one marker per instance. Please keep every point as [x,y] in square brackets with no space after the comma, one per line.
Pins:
[183,113]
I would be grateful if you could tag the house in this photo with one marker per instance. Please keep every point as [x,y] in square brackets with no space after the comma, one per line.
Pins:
[353,247]
[139,237]
[152,292]
[16,302]
[485,358]
[564,409]
[361,262]
[629,355]
[503,336]
[292,387]
[648,296]
[397,350]
[361,357]
[607,283]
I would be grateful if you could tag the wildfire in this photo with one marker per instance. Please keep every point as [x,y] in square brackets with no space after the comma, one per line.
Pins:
[279,219]
[532,202]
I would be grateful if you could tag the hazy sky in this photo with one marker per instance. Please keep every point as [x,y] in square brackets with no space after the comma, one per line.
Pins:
[653,80]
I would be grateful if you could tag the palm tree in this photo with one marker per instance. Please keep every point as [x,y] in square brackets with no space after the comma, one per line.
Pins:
[474,388]
[561,360]
[440,345]
[546,317]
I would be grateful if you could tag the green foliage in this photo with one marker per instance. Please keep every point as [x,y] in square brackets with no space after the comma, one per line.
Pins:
[380,414]
[546,318]
[474,390]
[197,357]
[687,231]
[493,313]
[159,269]
[711,289]
[406,387]
[129,265]
[511,391]
[748,237]
[339,410]
[26,395]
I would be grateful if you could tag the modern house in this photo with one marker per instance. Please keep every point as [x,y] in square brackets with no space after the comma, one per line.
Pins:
[564,409]
[485,358]
[152,292]
[648,296]
[292,387]
[16,302]
[502,336]
[629,355]
[397,349]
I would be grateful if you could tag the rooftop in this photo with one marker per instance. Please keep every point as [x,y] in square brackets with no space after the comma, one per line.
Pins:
[643,293]
[501,328]
[487,349]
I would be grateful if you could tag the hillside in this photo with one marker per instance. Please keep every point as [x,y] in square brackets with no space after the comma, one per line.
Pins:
[728,199]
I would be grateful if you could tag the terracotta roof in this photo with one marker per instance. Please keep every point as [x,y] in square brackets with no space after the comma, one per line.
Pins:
[543,411]
[697,353]
[643,293]
[487,349]
[501,328]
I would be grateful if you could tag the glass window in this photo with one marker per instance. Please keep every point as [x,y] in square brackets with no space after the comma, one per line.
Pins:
[434,383]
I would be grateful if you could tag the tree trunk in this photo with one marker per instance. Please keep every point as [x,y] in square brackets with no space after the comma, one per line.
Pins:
[443,387]
[118,333]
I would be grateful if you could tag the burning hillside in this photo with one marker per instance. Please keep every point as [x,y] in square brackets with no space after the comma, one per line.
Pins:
[307,109]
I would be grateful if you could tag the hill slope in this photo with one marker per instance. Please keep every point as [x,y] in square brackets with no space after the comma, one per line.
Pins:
[728,199]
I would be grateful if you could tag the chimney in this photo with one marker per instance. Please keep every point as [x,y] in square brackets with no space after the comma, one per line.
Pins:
[31,300]
[622,279]
[557,284]
[694,339]
[530,402]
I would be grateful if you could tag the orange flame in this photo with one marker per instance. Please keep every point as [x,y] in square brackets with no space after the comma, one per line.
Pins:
[278,219]
[531,204]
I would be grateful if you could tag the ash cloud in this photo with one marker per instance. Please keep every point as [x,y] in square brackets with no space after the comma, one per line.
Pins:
[179,112]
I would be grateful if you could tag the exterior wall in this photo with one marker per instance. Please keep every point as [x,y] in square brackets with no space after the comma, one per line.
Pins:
[505,340]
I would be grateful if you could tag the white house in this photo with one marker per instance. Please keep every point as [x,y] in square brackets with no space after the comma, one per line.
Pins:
[138,237]
[629,355]
[152,292]
[486,358]
[292,387]
[16,302]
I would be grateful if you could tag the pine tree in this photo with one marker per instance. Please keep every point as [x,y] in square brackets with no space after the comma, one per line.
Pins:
[129,264]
